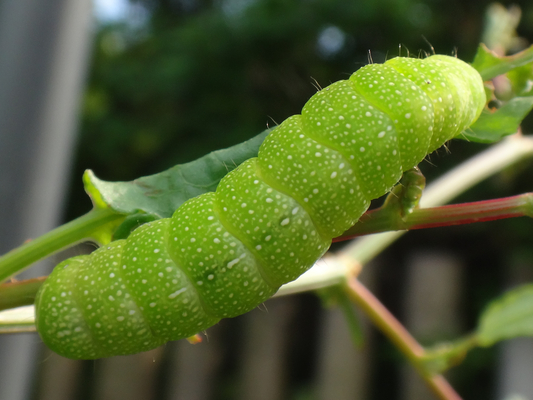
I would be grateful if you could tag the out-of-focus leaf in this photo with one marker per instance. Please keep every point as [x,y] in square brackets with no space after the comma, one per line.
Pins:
[507,317]
[490,65]
[161,194]
[500,26]
[445,355]
[492,126]
[521,79]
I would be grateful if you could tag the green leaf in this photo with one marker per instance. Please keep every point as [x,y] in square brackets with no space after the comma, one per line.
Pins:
[445,355]
[492,126]
[490,65]
[161,194]
[521,79]
[507,317]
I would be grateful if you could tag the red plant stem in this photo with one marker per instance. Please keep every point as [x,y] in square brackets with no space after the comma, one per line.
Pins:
[19,293]
[384,219]
[396,332]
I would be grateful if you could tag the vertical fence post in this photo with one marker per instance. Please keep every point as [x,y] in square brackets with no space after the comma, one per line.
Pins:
[515,366]
[435,281]
[43,58]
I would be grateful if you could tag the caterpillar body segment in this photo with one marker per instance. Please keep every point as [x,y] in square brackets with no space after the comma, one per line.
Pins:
[221,254]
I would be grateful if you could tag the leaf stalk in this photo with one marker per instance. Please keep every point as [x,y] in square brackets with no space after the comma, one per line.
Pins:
[54,241]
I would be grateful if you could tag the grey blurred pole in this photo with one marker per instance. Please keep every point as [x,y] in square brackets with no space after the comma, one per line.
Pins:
[435,281]
[515,363]
[344,369]
[44,47]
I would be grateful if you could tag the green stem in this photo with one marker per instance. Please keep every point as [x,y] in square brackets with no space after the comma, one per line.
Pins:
[391,327]
[79,229]
[388,219]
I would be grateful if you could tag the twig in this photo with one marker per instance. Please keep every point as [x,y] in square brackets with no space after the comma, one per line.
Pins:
[391,327]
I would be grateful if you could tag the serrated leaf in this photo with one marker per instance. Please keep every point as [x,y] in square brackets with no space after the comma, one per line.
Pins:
[161,194]
[507,317]
[490,65]
[492,126]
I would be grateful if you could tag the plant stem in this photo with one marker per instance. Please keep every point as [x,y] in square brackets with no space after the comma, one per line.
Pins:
[65,235]
[397,334]
[466,213]
[508,152]
[21,293]
[385,219]
[17,320]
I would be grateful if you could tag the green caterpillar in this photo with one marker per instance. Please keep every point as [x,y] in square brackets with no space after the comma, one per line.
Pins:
[221,254]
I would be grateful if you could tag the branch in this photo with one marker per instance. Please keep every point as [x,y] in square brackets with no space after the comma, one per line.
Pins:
[391,327]
[385,219]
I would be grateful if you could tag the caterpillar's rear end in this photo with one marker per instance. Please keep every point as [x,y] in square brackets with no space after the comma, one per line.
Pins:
[223,253]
